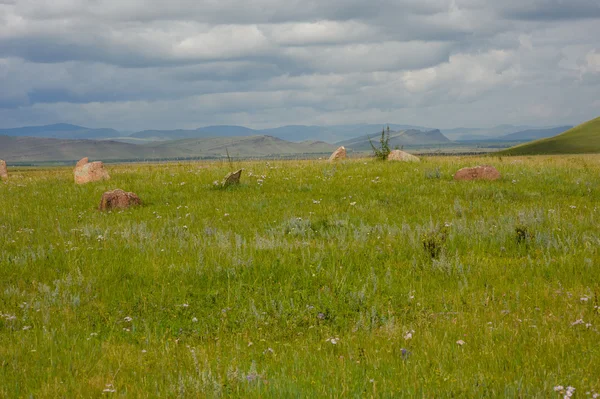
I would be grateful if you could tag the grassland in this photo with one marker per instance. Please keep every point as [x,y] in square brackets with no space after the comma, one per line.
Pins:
[308,280]
[582,139]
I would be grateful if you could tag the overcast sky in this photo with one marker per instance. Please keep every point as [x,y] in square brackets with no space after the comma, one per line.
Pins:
[137,64]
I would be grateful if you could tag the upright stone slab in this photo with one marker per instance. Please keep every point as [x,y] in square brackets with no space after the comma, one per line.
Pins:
[232,179]
[338,154]
[3,170]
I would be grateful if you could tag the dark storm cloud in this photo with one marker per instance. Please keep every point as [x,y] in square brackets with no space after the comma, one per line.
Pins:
[180,63]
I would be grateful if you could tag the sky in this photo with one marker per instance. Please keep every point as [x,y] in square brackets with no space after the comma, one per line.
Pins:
[155,64]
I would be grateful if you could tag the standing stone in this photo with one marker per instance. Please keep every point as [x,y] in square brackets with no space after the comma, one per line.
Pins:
[232,179]
[485,172]
[338,154]
[3,170]
[82,162]
[86,172]
[118,199]
[398,155]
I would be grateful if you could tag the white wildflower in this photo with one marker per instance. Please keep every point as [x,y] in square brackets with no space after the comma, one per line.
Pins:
[460,342]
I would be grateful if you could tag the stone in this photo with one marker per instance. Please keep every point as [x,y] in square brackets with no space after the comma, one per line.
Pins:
[338,154]
[3,170]
[118,199]
[86,172]
[484,172]
[232,179]
[398,155]
[82,162]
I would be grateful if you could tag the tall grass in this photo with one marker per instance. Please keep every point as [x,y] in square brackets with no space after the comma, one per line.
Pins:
[308,280]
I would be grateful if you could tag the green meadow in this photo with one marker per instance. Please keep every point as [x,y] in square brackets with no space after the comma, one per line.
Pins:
[360,279]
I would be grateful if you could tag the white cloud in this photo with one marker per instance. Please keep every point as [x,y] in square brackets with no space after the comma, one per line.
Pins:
[182,63]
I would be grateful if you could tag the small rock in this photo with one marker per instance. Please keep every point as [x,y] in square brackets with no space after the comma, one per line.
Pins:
[485,172]
[232,179]
[118,199]
[338,154]
[398,155]
[3,170]
[86,172]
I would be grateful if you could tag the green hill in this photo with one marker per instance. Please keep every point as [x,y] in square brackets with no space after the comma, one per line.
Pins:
[582,139]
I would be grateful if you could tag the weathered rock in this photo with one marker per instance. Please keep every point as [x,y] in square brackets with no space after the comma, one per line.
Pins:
[82,162]
[3,170]
[485,172]
[118,199]
[89,172]
[232,178]
[398,155]
[338,154]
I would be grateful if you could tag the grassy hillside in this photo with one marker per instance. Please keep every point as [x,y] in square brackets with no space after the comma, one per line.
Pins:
[582,139]
[308,280]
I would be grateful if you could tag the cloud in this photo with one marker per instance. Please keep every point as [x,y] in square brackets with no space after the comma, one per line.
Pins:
[137,64]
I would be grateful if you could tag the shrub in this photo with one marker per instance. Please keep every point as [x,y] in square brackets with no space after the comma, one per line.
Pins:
[384,150]
[433,241]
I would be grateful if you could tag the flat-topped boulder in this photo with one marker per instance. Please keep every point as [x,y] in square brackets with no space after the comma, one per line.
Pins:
[338,154]
[118,199]
[232,178]
[87,172]
[484,172]
[3,170]
[399,155]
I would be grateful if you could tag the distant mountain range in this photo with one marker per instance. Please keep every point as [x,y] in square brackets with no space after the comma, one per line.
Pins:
[61,131]
[65,142]
[39,149]
[296,133]
[402,138]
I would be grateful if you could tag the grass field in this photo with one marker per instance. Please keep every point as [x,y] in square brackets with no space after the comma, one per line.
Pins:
[582,139]
[308,280]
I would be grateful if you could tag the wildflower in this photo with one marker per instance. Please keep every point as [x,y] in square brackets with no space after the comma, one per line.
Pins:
[584,299]
[460,342]
[185,305]
[128,319]
[577,322]
[333,341]
[25,328]
[144,351]
[194,320]
[408,335]
[109,388]
[225,215]
[316,201]
[353,203]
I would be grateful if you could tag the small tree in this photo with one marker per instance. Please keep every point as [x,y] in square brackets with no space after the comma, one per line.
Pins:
[384,150]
